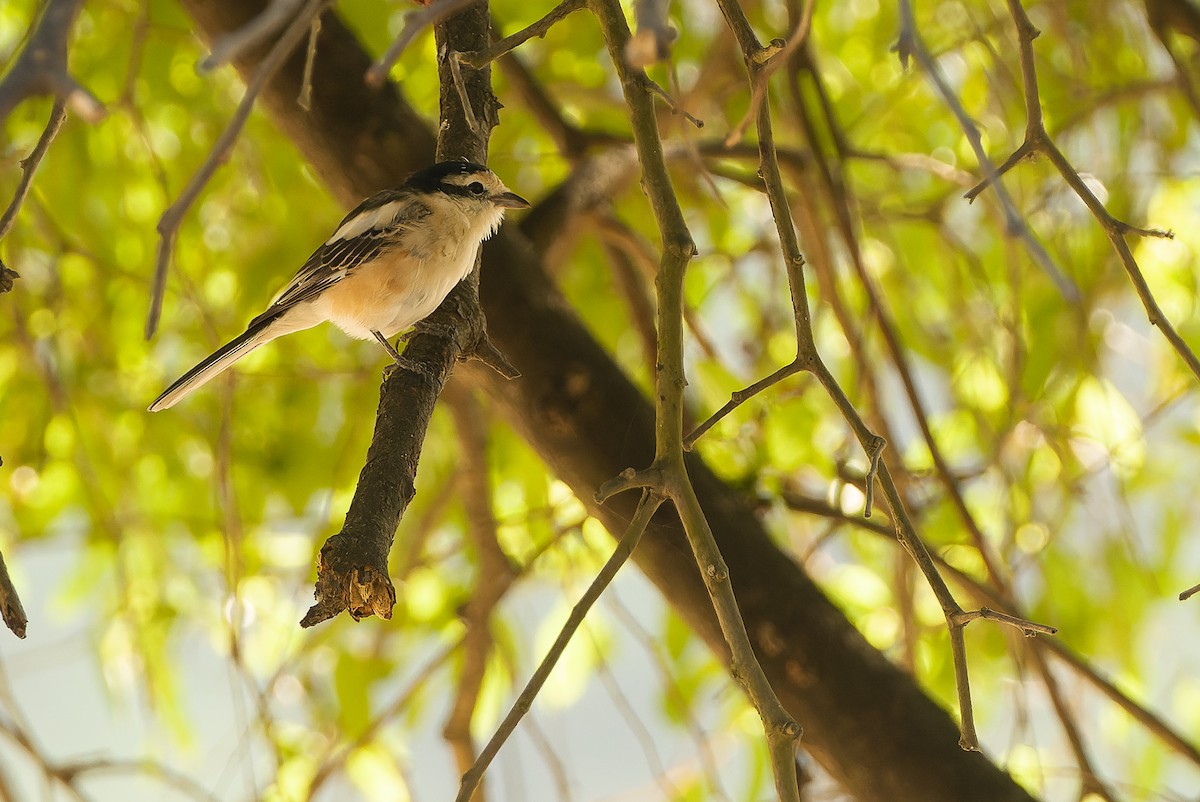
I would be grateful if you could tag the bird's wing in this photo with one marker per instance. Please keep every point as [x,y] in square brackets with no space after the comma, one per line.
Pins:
[372,228]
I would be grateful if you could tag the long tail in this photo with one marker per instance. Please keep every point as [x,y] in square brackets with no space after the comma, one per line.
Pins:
[259,333]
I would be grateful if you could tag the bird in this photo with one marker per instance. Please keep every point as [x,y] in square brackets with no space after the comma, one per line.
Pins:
[387,266]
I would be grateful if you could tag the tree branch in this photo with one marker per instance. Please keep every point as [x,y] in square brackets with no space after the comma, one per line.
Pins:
[513,41]
[41,68]
[909,44]
[352,567]
[1037,140]
[172,218]
[11,608]
[524,701]
[30,164]
[780,728]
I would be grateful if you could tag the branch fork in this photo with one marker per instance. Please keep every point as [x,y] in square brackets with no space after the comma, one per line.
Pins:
[41,68]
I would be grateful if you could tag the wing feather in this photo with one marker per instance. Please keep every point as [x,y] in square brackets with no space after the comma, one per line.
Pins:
[343,253]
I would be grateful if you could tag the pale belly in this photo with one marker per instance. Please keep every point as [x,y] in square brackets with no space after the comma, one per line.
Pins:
[392,293]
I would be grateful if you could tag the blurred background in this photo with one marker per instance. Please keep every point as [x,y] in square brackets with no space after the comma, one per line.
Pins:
[165,560]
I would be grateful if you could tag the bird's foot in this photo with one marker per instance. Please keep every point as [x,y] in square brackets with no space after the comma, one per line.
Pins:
[396,356]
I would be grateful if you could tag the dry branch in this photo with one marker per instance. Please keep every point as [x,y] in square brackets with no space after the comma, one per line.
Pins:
[1037,140]
[11,608]
[172,218]
[356,557]
[29,166]
[633,534]
[781,730]
[41,68]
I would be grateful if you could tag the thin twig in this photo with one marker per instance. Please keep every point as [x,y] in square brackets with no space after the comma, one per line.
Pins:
[629,479]
[511,42]
[641,518]
[414,22]
[769,59]
[460,87]
[780,729]
[304,101]
[1025,151]
[675,108]
[740,397]
[911,44]
[168,224]
[228,47]
[1028,628]
[30,164]
[1038,140]
[1189,593]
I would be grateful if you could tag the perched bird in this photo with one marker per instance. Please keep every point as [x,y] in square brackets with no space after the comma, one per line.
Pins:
[388,265]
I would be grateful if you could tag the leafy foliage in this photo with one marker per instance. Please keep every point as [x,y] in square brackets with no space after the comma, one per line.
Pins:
[1069,427]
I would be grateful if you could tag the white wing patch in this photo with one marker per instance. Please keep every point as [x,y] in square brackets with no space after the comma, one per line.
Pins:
[380,217]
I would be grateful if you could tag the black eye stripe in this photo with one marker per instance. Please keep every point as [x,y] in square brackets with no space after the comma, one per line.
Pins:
[474,189]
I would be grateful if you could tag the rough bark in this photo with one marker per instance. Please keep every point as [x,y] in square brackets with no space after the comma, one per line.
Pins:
[865,720]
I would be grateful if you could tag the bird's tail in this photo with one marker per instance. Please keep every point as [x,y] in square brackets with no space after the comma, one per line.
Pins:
[259,333]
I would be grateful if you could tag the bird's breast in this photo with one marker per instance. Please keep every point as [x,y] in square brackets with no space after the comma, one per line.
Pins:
[394,291]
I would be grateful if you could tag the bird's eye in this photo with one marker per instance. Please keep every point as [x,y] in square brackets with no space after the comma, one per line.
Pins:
[476,188]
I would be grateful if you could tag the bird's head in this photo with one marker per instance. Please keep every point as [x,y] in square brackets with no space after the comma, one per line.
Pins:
[472,188]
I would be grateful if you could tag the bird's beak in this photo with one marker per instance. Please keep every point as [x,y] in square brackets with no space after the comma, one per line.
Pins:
[510,200]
